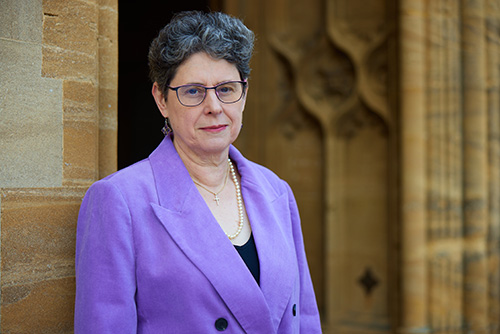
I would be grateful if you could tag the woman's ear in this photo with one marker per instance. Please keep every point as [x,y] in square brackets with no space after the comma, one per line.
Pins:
[160,99]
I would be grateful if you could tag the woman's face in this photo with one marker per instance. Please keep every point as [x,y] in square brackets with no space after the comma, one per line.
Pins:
[209,128]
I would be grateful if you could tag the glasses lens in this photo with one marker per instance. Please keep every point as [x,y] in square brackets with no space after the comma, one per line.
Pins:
[230,92]
[191,95]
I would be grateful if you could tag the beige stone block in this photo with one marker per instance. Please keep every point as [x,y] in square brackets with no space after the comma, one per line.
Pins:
[108,21]
[80,98]
[42,307]
[108,64]
[21,20]
[38,234]
[109,3]
[108,155]
[37,247]
[108,48]
[70,25]
[80,150]
[37,240]
[64,64]
[30,119]
[108,109]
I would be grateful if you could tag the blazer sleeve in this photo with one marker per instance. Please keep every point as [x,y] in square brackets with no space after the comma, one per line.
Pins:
[105,263]
[308,309]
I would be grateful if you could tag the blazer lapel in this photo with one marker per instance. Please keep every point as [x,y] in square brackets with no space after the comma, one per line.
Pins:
[269,215]
[190,223]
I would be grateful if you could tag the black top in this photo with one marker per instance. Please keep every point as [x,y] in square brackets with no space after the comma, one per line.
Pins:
[248,253]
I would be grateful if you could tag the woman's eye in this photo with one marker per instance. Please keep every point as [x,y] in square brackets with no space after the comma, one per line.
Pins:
[193,91]
[225,89]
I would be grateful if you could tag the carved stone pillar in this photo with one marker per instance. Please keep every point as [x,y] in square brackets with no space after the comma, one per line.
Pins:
[413,167]
[444,123]
[492,10]
[475,166]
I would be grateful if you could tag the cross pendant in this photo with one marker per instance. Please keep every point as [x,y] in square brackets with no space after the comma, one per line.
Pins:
[217,199]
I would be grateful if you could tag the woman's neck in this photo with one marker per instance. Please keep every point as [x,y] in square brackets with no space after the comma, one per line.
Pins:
[208,169]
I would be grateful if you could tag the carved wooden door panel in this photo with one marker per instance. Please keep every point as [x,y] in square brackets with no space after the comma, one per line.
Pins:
[319,114]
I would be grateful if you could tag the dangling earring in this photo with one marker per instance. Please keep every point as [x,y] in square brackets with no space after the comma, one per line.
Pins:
[167,129]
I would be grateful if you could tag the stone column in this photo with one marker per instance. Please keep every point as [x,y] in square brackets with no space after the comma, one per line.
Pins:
[413,167]
[475,165]
[493,66]
[108,86]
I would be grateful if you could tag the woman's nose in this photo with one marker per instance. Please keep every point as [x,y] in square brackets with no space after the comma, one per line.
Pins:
[212,102]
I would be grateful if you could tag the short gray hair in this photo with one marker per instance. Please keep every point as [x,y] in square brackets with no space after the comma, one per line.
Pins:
[219,35]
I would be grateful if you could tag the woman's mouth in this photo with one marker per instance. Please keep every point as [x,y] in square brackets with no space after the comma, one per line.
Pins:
[214,128]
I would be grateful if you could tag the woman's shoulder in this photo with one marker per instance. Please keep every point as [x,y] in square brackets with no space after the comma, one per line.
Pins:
[256,173]
[133,179]
[135,172]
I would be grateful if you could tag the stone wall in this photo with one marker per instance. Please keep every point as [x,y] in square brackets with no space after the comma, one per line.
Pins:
[58,104]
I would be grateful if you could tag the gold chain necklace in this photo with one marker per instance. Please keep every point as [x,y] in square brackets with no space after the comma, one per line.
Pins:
[239,200]
[216,194]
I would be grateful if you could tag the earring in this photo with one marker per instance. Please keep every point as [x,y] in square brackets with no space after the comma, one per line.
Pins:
[167,129]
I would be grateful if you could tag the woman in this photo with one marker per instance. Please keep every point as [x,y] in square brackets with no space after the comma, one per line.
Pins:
[194,239]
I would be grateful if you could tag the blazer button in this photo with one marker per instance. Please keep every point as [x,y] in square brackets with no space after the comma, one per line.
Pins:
[221,324]
[294,310]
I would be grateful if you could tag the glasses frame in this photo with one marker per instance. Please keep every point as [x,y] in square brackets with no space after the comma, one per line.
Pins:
[176,89]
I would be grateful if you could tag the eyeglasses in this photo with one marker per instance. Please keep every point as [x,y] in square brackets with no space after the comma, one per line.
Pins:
[193,95]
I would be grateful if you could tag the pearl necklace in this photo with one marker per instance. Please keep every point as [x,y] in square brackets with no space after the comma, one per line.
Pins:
[238,200]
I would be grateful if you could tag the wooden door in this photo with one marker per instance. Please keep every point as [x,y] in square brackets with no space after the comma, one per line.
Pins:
[319,113]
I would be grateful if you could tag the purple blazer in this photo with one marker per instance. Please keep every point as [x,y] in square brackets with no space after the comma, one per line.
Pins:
[151,258]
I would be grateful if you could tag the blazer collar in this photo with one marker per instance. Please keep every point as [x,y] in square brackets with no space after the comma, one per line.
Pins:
[192,226]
